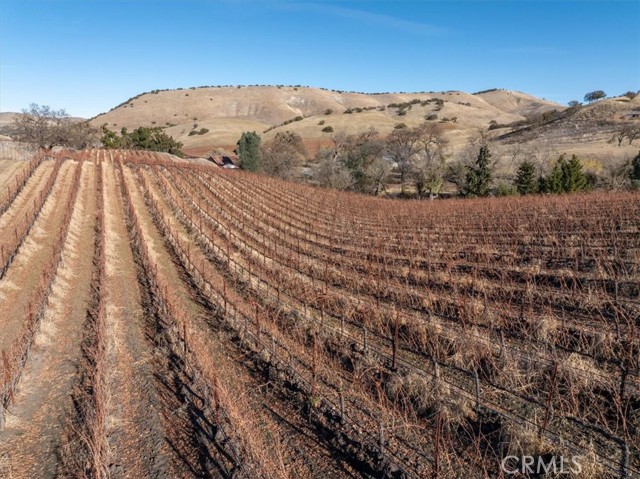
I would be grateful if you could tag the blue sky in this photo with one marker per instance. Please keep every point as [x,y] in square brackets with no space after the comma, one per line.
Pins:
[88,55]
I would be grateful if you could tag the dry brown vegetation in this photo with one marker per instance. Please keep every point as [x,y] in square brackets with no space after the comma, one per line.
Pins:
[223,324]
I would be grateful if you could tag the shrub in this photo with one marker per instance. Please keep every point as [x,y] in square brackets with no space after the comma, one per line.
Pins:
[504,189]
[328,129]
[201,131]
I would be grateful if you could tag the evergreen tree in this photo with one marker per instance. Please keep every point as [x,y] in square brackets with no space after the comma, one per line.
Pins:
[479,176]
[143,138]
[634,174]
[566,177]
[248,150]
[573,178]
[552,183]
[526,183]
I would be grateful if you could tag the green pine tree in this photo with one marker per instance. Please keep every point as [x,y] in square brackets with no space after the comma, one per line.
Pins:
[573,178]
[634,174]
[248,150]
[526,182]
[552,183]
[479,176]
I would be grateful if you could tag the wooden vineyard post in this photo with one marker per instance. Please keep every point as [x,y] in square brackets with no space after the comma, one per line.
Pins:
[6,381]
[364,338]
[184,335]
[436,452]
[224,295]
[477,378]
[274,350]
[314,361]
[396,327]
[258,330]
[552,387]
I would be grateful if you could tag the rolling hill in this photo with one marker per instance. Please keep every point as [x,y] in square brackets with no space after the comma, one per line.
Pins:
[228,111]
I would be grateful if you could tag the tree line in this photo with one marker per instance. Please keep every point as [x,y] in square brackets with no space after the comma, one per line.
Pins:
[48,128]
[416,160]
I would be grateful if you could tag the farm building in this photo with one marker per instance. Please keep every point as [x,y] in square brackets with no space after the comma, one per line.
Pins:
[225,161]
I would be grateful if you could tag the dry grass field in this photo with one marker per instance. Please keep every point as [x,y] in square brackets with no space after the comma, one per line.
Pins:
[166,319]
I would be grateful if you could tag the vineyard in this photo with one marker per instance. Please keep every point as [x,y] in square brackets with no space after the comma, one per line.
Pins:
[167,319]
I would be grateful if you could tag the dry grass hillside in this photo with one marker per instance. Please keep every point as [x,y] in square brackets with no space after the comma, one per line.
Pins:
[588,131]
[228,111]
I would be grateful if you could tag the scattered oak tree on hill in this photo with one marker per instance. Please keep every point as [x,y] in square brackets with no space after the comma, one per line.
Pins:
[47,128]
[248,150]
[594,96]
[629,131]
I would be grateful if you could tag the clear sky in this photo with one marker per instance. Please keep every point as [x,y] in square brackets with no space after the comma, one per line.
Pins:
[89,55]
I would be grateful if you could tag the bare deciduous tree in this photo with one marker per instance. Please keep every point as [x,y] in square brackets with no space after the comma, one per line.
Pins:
[429,168]
[330,172]
[628,131]
[47,128]
[283,154]
[403,147]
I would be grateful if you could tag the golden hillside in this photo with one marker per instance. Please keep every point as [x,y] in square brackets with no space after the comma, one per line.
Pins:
[228,111]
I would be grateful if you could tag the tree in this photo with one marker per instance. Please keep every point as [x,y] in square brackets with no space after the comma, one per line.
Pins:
[110,139]
[248,150]
[574,104]
[48,128]
[363,155]
[429,168]
[526,182]
[594,95]
[142,138]
[566,177]
[281,155]
[634,174]
[479,175]
[403,145]
[330,172]
[626,130]
[573,178]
